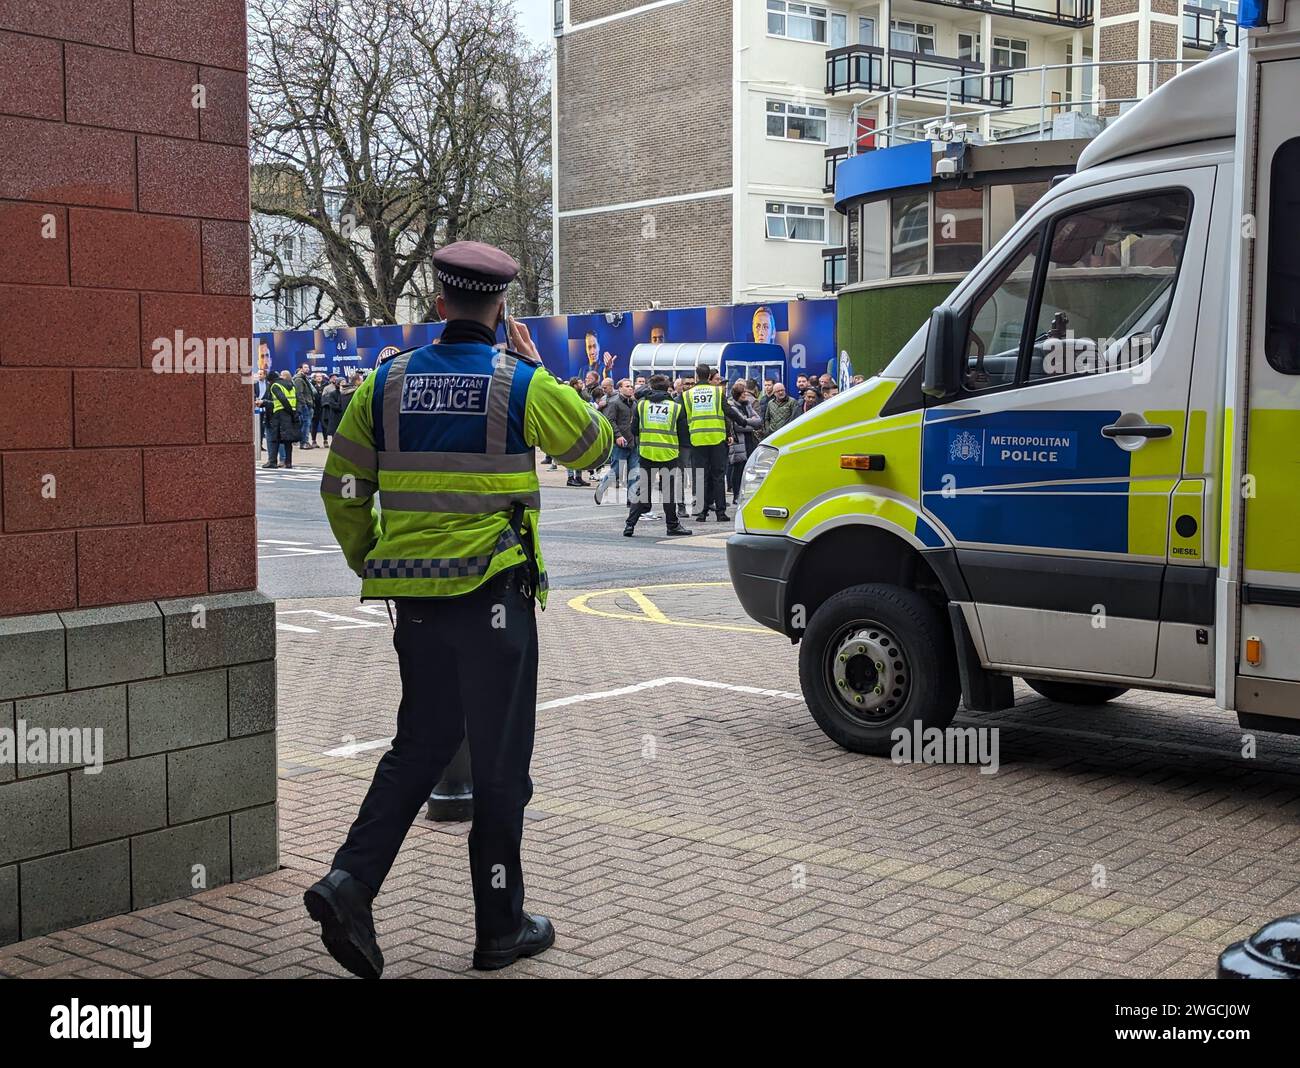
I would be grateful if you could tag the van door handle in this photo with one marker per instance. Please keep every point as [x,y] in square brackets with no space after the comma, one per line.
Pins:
[1141,430]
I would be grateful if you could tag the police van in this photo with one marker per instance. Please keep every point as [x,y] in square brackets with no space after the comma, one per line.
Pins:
[1084,470]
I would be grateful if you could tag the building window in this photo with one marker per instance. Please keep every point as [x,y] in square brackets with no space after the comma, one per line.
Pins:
[909,229]
[968,47]
[1007,203]
[911,37]
[799,22]
[839,30]
[873,230]
[796,122]
[796,222]
[958,229]
[1010,52]
[866,31]
[559,14]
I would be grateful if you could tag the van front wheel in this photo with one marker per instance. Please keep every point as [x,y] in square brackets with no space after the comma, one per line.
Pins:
[875,658]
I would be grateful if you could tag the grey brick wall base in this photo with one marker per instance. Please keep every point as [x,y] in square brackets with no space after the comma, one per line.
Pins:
[137,757]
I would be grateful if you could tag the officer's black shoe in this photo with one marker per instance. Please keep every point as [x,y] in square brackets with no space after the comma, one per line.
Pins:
[678,532]
[269,467]
[723,517]
[341,904]
[701,517]
[627,532]
[535,935]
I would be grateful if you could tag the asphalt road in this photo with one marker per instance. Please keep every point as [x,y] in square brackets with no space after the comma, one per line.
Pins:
[581,541]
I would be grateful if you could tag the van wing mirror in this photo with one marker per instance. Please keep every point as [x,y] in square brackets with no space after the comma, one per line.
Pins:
[945,353]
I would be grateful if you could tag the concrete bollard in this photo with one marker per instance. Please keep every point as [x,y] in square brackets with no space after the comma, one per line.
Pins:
[452,800]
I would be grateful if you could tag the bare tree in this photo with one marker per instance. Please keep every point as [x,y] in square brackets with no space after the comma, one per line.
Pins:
[383,128]
[521,175]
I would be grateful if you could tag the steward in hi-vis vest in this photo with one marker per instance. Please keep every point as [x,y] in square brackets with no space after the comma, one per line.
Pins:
[281,406]
[445,434]
[661,432]
[708,423]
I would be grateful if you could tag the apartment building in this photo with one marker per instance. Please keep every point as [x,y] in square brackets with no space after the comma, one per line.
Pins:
[695,142]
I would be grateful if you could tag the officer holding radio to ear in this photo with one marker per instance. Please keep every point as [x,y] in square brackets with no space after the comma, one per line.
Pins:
[445,435]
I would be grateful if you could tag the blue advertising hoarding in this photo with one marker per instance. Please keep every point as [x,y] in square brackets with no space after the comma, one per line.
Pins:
[572,345]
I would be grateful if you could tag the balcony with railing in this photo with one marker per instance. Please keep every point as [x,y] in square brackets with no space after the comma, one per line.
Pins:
[1071,13]
[1199,24]
[1029,103]
[860,70]
[834,157]
[855,69]
[835,262]
[923,74]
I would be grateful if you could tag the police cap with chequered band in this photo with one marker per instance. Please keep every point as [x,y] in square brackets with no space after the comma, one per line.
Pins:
[474,266]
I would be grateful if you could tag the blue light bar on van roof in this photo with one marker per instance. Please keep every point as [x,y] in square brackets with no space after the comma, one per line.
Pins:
[1252,13]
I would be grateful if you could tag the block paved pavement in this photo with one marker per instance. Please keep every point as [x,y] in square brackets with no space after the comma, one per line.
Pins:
[702,825]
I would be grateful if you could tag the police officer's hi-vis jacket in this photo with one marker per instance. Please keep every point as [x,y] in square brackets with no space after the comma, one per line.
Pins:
[445,434]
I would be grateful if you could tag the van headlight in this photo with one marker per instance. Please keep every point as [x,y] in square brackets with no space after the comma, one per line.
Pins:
[756,468]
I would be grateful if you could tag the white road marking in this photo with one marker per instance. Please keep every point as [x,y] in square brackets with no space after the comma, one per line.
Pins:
[280,541]
[596,695]
[348,622]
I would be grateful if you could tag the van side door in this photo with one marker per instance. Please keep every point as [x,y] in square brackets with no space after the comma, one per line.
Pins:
[1264,493]
[1053,470]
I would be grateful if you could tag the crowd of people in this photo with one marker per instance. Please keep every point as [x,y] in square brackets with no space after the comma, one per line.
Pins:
[751,411]
[299,409]
[304,409]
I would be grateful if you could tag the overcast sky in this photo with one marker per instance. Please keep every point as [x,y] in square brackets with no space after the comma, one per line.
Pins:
[535,17]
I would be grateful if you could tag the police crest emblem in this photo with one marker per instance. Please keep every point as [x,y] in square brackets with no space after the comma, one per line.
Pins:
[965,448]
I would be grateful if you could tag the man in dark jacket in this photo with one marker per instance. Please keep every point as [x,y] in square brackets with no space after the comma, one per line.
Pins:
[346,391]
[302,388]
[620,410]
[781,408]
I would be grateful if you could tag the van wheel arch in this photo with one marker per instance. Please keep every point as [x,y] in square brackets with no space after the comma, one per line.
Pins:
[855,555]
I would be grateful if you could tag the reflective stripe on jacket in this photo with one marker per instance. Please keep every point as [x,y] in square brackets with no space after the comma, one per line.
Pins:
[445,435]
[704,414]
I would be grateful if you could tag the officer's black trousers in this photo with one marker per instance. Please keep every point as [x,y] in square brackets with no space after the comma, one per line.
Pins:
[713,460]
[467,664]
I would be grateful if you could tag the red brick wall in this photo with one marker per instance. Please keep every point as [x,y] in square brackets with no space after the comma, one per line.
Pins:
[124,215]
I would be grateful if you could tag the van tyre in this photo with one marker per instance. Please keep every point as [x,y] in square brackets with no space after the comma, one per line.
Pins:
[875,658]
[1075,693]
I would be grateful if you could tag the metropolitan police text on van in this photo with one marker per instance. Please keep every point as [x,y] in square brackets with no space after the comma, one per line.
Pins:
[1032,448]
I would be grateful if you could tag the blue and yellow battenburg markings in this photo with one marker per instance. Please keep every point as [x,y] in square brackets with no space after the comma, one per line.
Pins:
[1080,490]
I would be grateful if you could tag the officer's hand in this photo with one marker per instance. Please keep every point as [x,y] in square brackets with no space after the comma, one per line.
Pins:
[520,339]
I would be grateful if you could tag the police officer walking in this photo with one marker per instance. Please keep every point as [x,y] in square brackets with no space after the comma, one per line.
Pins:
[445,435]
[659,428]
[708,428]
